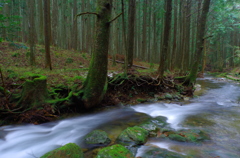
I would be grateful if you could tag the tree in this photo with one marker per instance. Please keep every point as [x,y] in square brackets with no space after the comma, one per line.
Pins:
[191,78]
[131,26]
[32,32]
[165,43]
[47,26]
[95,84]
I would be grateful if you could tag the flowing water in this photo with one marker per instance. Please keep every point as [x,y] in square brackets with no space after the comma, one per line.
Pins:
[216,112]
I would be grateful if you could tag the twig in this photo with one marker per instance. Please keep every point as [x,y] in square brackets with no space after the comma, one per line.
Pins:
[84,14]
[115,18]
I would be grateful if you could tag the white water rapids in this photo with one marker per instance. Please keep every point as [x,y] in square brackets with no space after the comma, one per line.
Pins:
[220,104]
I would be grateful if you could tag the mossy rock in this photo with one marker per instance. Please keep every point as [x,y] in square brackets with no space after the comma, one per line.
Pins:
[194,135]
[151,127]
[191,135]
[160,121]
[69,150]
[177,137]
[197,121]
[153,152]
[115,151]
[133,136]
[168,96]
[97,138]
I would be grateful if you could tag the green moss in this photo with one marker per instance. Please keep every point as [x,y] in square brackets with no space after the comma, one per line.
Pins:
[97,137]
[177,137]
[69,150]
[115,151]
[133,136]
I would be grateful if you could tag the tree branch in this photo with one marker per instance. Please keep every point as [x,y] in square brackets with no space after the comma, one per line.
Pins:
[115,18]
[84,14]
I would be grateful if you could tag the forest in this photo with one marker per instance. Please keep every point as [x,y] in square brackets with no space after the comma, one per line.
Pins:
[64,58]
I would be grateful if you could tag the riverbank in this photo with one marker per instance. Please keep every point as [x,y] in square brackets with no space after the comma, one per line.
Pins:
[70,68]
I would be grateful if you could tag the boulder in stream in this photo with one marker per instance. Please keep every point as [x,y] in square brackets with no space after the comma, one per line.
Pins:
[133,136]
[115,151]
[69,150]
[97,138]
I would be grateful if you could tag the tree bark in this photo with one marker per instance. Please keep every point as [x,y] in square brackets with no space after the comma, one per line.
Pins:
[167,28]
[191,78]
[47,26]
[31,6]
[131,35]
[95,85]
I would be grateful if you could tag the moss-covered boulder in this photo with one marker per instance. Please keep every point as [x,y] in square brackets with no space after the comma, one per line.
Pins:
[97,138]
[151,127]
[69,150]
[190,135]
[115,151]
[160,121]
[194,135]
[153,152]
[133,136]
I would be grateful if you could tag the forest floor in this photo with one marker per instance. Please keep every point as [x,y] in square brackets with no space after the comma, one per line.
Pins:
[69,70]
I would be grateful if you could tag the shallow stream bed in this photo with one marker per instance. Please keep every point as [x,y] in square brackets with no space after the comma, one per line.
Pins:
[216,112]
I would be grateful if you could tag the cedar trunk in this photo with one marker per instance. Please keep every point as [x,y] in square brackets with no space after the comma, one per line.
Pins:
[191,78]
[95,85]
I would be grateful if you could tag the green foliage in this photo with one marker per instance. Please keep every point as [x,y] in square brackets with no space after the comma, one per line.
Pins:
[69,60]
[16,55]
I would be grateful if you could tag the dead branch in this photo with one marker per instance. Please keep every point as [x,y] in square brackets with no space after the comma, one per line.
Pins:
[84,14]
[115,18]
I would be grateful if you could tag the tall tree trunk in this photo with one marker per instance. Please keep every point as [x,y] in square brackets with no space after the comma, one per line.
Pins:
[131,35]
[167,28]
[31,6]
[47,26]
[95,85]
[191,78]
[75,30]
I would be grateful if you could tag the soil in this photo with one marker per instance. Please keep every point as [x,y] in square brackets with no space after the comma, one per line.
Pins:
[69,70]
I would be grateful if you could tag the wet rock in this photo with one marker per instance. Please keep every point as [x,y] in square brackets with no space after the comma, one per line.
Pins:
[151,127]
[133,136]
[168,96]
[197,121]
[97,138]
[70,150]
[115,151]
[191,135]
[160,121]
[154,152]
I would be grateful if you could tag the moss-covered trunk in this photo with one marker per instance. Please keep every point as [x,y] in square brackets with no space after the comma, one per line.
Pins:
[191,78]
[95,85]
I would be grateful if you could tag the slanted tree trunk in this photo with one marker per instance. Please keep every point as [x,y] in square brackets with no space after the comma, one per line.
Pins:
[95,85]
[191,78]
[34,92]
[165,43]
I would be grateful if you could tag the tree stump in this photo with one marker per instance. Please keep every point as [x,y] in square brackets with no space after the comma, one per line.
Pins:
[34,92]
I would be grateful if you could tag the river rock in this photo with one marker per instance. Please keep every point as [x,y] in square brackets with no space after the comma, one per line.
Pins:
[151,127]
[133,136]
[69,150]
[190,135]
[160,121]
[115,151]
[154,152]
[168,96]
[97,138]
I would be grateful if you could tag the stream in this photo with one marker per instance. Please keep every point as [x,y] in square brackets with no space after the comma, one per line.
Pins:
[216,111]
